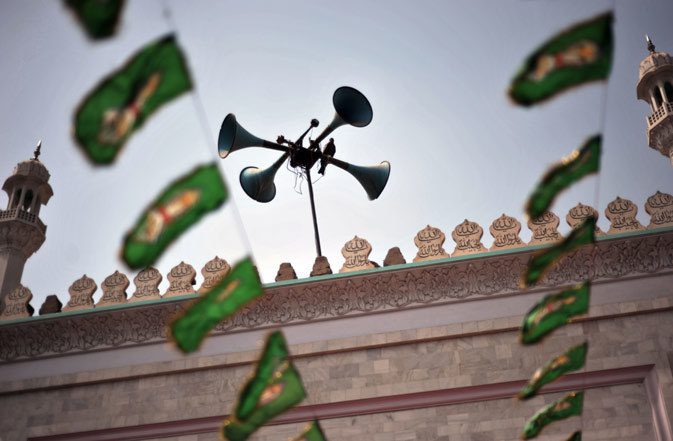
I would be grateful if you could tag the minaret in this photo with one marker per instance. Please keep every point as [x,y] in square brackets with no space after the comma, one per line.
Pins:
[655,86]
[21,230]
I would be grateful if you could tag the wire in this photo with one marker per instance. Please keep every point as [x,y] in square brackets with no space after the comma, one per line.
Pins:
[205,128]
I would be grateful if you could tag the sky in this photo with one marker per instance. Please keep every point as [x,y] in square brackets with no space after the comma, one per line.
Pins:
[436,74]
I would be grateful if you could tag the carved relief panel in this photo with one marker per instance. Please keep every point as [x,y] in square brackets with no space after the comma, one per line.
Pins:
[622,214]
[147,285]
[81,294]
[544,229]
[467,236]
[114,289]
[429,242]
[181,280]
[356,252]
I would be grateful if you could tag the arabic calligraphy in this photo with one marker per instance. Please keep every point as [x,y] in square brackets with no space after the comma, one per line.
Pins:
[16,303]
[622,214]
[181,279]
[467,236]
[660,208]
[114,289]
[505,231]
[544,229]
[147,285]
[81,294]
[579,213]
[429,242]
[213,271]
[356,252]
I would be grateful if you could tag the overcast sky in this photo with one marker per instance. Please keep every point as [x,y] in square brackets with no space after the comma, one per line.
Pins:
[435,73]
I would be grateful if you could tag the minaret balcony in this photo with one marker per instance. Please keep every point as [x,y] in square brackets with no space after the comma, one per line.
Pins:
[661,113]
[24,216]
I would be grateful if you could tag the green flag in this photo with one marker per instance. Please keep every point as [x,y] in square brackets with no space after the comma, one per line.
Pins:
[183,203]
[571,169]
[572,360]
[578,55]
[99,18]
[553,311]
[583,234]
[313,432]
[568,406]
[275,387]
[577,436]
[121,102]
[240,286]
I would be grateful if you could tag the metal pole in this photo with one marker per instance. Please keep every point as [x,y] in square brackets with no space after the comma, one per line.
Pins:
[315,220]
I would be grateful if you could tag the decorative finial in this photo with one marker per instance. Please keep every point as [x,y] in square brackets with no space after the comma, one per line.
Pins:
[37,150]
[650,45]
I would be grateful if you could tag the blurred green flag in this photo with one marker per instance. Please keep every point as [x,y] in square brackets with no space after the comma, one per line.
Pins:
[553,311]
[571,169]
[239,287]
[275,387]
[572,360]
[99,18]
[179,206]
[583,234]
[122,102]
[568,406]
[312,433]
[577,55]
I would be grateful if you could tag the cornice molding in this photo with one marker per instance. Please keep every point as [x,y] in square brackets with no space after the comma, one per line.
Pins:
[379,290]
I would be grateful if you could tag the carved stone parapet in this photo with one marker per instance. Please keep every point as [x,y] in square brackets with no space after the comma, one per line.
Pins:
[213,271]
[505,231]
[660,208]
[544,229]
[475,277]
[467,236]
[321,267]
[114,289]
[285,272]
[181,280]
[394,257]
[17,304]
[81,294]
[51,305]
[147,285]
[622,215]
[18,235]
[579,213]
[430,241]
[356,252]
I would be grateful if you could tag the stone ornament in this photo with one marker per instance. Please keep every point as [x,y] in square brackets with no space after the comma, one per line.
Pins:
[81,294]
[544,229]
[467,236]
[181,280]
[17,304]
[147,285]
[114,289]
[622,214]
[394,257]
[505,231]
[356,252]
[373,291]
[285,272]
[429,242]
[579,213]
[321,267]
[660,208]
[51,305]
[213,271]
